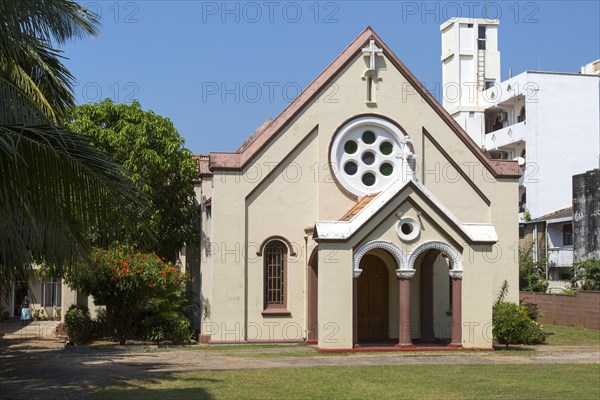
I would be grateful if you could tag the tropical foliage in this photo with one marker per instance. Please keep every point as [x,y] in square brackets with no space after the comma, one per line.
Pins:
[58,192]
[152,151]
[512,323]
[127,283]
[29,58]
[586,274]
[530,276]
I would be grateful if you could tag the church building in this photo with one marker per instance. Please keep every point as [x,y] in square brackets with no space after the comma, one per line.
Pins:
[362,216]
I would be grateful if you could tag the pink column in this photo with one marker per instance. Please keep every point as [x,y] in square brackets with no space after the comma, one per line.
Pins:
[405,339]
[456,311]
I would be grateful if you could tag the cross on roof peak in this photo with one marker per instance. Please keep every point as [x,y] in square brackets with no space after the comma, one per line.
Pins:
[372,51]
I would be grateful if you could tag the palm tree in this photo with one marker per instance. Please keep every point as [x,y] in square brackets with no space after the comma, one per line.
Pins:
[57,192]
[28,59]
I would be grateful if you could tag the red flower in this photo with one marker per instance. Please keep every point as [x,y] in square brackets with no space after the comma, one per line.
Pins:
[163,272]
[138,271]
[125,264]
[172,269]
[116,275]
[162,258]
[123,270]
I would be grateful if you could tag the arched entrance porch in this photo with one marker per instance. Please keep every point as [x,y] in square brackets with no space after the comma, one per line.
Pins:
[433,311]
[376,310]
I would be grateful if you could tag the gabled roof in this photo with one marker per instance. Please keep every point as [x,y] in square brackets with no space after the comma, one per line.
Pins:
[238,160]
[345,229]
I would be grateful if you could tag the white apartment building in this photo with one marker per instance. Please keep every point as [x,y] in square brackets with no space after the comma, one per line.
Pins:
[550,121]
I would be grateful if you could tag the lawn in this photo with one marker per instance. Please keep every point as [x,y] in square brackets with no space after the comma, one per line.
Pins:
[543,381]
[571,336]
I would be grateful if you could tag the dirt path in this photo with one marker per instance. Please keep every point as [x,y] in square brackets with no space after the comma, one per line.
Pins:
[73,373]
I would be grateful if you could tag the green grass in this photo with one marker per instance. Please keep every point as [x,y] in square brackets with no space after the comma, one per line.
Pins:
[571,336]
[541,381]
[235,347]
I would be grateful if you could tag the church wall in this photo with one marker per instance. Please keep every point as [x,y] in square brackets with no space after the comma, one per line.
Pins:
[316,196]
[283,205]
[335,296]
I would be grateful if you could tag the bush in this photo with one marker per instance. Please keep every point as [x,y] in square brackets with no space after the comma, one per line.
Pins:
[100,325]
[586,274]
[530,277]
[166,320]
[79,324]
[512,324]
[125,281]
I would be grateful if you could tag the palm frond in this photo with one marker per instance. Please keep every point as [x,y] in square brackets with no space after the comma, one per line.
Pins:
[28,28]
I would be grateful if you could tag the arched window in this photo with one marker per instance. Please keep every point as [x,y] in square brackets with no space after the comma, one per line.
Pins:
[275,266]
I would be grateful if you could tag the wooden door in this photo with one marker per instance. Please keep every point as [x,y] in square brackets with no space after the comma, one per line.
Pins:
[372,307]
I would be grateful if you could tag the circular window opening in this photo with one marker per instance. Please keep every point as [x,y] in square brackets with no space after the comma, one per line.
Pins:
[408,229]
[350,168]
[350,147]
[386,148]
[368,179]
[368,137]
[386,169]
[368,157]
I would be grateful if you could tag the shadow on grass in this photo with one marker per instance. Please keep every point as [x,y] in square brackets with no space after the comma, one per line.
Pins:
[180,387]
[78,372]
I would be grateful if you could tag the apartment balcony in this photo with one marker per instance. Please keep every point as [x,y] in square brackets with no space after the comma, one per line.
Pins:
[561,257]
[505,136]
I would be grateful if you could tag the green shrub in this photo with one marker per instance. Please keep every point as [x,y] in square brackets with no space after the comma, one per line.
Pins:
[166,320]
[586,274]
[512,323]
[124,281]
[530,277]
[79,324]
[100,325]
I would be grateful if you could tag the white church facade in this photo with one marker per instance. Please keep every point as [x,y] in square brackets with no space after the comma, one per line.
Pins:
[372,219]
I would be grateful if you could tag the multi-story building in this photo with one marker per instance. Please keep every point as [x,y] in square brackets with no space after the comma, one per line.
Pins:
[548,121]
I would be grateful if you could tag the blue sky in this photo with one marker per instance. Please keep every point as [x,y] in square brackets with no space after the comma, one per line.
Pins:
[219,69]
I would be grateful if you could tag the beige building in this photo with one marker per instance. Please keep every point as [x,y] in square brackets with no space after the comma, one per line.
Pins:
[363,215]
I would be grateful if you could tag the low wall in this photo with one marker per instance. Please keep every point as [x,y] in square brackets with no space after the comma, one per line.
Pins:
[583,309]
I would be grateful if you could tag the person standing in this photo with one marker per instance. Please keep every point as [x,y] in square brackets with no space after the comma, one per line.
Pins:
[25,311]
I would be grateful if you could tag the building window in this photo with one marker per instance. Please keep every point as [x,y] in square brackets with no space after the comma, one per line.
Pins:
[481,32]
[366,155]
[275,263]
[51,292]
[481,37]
[489,84]
[567,231]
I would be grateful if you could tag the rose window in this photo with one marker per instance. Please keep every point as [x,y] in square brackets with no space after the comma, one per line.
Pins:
[367,155]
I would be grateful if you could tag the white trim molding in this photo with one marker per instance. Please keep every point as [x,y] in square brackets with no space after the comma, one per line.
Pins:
[377,244]
[342,230]
[404,273]
[455,257]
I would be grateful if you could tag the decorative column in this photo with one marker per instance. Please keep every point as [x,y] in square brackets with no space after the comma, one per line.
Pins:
[456,276]
[405,334]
